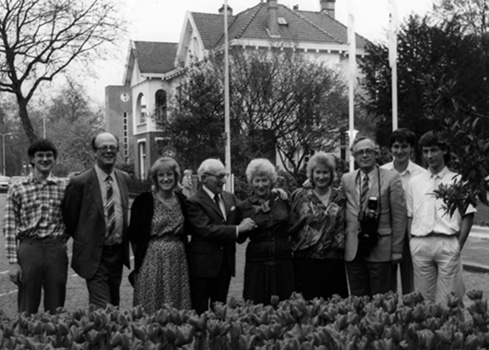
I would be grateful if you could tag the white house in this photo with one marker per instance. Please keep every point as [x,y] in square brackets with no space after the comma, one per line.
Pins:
[154,70]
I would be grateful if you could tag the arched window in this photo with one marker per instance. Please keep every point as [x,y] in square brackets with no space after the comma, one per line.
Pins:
[160,106]
[141,109]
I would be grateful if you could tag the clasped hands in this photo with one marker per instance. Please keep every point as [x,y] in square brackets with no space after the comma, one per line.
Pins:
[246,225]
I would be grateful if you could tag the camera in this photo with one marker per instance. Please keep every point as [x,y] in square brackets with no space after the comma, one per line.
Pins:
[369,224]
[370,214]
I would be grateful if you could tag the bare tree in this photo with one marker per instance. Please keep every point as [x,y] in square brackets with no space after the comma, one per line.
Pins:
[40,38]
[471,15]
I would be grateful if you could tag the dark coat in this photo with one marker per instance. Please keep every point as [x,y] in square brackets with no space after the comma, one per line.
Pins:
[83,214]
[213,238]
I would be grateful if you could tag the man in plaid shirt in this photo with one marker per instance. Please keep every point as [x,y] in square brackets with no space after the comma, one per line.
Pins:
[35,238]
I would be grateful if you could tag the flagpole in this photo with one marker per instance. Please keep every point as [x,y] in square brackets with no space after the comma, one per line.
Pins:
[393,30]
[351,79]
[227,129]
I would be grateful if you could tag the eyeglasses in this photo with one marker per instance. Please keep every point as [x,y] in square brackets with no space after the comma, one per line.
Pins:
[108,148]
[365,151]
[44,155]
[219,177]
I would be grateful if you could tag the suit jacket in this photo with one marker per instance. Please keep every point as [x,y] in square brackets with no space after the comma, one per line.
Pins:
[213,241]
[392,218]
[83,214]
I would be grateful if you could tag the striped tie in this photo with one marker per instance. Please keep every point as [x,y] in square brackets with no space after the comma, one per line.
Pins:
[110,208]
[364,193]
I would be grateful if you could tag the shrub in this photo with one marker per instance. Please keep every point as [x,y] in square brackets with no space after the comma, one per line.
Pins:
[382,322]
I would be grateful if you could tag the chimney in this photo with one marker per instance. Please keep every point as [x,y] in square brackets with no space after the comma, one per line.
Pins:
[296,7]
[272,17]
[327,7]
[230,10]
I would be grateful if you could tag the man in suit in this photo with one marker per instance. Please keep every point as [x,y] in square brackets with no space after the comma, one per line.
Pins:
[212,216]
[375,205]
[402,143]
[95,210]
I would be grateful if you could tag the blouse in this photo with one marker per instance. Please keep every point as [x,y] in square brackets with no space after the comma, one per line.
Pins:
[321,232]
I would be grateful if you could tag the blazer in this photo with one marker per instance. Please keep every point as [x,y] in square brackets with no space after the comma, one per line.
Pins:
[83,214]
[213,239]
[392,218]
[139,232]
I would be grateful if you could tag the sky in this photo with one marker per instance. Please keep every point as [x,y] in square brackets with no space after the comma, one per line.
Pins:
[162,20]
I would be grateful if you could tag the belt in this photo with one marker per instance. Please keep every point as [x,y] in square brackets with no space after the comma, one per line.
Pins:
[43,240]
[437,234]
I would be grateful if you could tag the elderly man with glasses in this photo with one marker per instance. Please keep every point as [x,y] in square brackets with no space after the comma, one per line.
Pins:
[212,216]
[95,211]
[375,221]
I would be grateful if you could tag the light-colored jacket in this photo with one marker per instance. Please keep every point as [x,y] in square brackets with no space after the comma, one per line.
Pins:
[392,219]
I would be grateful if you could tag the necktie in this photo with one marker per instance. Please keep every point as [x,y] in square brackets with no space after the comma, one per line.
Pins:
[110,207]
[216,199]
[364,193]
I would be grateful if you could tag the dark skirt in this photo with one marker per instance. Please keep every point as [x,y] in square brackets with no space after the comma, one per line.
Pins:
[317,278]
[263,279]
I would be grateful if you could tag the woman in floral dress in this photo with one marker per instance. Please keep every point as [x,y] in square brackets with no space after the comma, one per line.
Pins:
[319,244]
[158,238]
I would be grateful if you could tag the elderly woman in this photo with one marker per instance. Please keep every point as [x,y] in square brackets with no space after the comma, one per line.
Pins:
[268,269]
[319,243]
[158,239]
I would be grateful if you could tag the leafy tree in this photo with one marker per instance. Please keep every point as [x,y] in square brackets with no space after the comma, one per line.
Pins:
[430,57]
[443,86]
[39,39]
[279,101]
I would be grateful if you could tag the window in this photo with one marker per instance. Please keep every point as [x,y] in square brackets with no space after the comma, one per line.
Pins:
[160,106]
[141,110]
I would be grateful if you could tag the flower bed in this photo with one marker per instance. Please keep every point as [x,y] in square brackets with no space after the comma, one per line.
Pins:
[383,322]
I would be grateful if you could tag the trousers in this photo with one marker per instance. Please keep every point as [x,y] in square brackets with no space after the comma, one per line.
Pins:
[437,267]
[44,265]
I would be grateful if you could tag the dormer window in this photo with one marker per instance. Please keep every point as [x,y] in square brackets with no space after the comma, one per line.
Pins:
[282,21]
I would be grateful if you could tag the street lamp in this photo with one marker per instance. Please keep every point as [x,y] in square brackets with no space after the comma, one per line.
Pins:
[3,152]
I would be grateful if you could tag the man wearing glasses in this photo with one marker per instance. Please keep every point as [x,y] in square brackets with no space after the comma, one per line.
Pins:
[95,211]
[212,216]
[35,238]
[375,221]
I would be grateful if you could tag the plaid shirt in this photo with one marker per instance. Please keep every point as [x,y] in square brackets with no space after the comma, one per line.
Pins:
[33,209]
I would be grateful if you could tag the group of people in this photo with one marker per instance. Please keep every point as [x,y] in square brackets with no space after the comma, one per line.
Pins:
[320,240]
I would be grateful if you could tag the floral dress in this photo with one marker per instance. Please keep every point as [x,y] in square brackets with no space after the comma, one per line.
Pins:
[163,276]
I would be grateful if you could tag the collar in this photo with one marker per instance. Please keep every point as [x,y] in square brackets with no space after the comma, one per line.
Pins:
[370,174]
[408,170]
[209,192]
[50,179]
[102,175]
[441,174]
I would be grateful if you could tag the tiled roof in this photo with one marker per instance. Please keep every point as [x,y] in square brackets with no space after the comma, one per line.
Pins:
[211,27]
[332,27]
[155,57]
[302,26]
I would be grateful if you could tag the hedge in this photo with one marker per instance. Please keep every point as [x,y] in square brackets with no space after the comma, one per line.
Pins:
[382,322]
